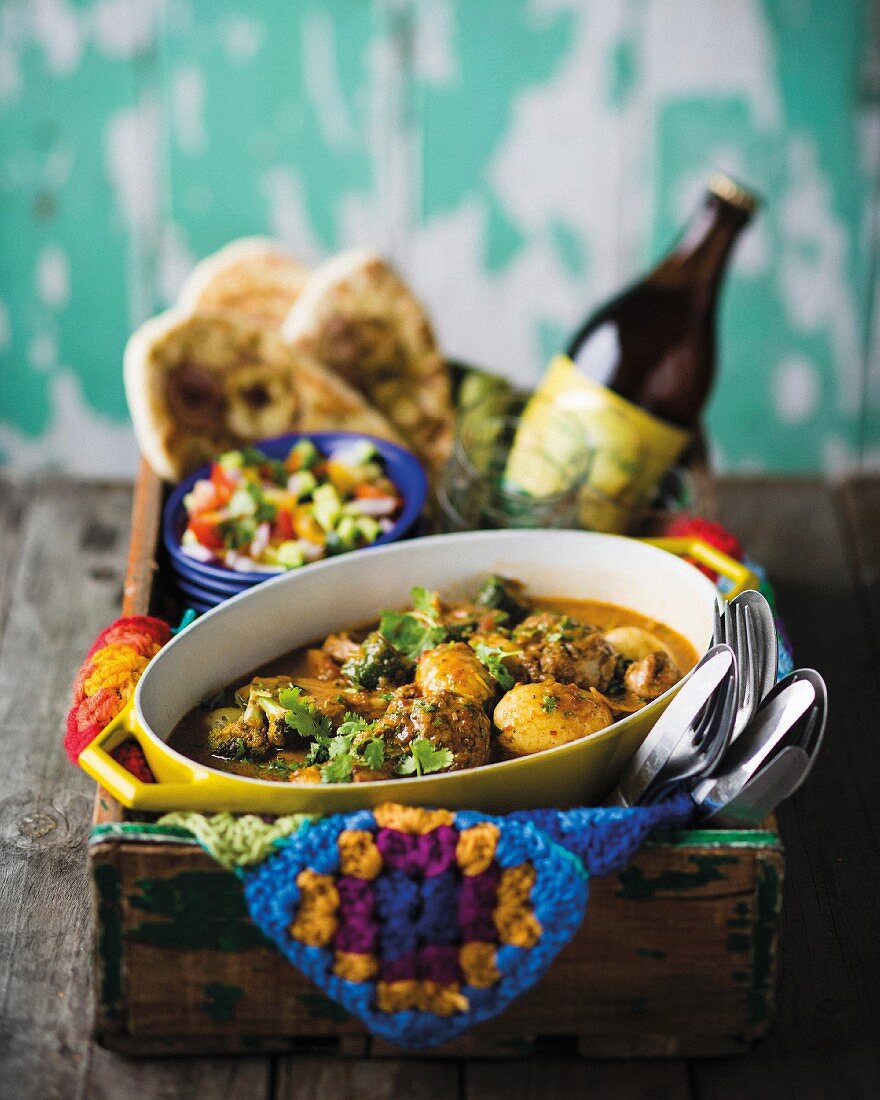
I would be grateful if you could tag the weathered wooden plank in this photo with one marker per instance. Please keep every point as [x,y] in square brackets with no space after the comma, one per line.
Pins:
[829,1010]
[110,1077]
[545,1077]
[379,1079]
[67,586]
[11,504]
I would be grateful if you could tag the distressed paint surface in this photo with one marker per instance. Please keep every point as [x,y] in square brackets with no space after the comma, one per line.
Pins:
[635,885]
[198,910]
[220,1001]
[518,159]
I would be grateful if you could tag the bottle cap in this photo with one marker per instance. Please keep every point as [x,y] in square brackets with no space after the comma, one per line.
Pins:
[734,193]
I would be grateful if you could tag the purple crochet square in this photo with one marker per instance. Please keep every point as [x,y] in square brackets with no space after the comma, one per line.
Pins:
[358,929]
[477,897]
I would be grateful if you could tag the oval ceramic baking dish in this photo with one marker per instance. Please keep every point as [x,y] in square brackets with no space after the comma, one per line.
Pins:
[294,609]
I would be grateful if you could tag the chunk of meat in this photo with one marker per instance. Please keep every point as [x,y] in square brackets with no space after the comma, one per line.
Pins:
[652,675]
[335,697]
[447,720]
[341,647]
[557,647]
[320,665]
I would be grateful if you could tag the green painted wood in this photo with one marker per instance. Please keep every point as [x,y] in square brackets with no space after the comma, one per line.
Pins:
[519,161]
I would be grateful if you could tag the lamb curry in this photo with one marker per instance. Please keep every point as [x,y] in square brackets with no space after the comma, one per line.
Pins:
[440,686]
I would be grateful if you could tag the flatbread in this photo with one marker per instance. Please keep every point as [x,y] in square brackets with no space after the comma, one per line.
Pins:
[253,276]
[357,317]
[201,383]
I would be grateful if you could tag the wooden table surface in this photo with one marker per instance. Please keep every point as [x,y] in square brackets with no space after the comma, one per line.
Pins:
[63,548]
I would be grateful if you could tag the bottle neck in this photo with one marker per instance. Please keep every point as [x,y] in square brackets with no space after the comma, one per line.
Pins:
[700,257]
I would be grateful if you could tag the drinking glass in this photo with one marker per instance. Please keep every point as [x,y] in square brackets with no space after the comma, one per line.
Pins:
[517,461]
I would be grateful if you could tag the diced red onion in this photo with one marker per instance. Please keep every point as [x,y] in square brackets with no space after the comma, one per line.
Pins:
[372,506]
[197,551]
[260,540]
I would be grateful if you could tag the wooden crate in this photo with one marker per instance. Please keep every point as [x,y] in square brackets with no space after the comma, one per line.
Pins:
[677,956]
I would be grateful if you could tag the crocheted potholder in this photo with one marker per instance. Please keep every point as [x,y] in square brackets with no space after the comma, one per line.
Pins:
[420,922]
[425,922]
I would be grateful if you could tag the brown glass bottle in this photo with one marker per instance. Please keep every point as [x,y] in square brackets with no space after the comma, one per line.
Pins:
[654,344]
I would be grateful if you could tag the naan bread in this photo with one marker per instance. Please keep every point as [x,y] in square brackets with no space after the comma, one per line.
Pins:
[357,317]
[253,276]
[201,383]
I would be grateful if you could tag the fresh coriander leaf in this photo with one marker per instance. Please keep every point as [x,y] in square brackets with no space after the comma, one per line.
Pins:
[373,753]
[549,703]
[338,769]
[425,758]
[387,696]
[426,601]
[280,768]
[410,634]
[492,657]
[339,745]
[353,724]
[303,717]
[407,766]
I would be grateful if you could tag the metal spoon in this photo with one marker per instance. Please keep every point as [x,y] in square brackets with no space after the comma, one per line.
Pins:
[775,782]
[677,723]
[707,747]
[787,704]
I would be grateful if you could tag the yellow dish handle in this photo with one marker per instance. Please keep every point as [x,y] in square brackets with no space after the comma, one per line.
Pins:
[739,575]
[174,776]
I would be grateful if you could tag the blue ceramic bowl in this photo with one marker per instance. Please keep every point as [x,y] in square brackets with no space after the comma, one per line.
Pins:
[200,599]
[401,466]
[221,587]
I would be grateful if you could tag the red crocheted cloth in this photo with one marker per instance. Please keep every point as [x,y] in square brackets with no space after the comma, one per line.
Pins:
[105,682]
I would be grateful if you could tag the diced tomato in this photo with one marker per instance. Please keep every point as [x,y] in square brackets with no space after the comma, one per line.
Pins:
[224,484]
[282,528]
[202,498]
[207,533]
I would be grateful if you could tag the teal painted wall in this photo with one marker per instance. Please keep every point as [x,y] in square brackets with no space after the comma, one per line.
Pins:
[518,160]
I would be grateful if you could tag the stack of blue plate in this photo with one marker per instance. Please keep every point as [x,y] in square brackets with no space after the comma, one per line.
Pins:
[202,585]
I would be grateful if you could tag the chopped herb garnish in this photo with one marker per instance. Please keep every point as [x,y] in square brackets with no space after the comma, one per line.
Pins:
[492,657]
[302,715]
[373,753]
[412,632]
[549,703]
[423,758]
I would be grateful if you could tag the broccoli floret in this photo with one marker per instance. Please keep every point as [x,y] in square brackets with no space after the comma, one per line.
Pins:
[377,662]
[252,733]
[503,594]
[240,740]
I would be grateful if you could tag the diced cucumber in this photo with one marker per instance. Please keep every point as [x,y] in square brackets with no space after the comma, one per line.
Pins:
[231,460]
[326,506]
[347,530]
[306,454]
[290,555]
[302,483]
[369,528]
[242,503]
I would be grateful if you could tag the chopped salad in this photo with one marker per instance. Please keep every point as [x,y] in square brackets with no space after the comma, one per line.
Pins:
[260,514]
